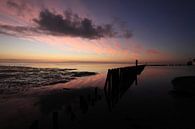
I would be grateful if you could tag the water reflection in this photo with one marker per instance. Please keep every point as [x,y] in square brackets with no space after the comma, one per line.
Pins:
[69,105]
[118,81]
[73,103]
[78,105]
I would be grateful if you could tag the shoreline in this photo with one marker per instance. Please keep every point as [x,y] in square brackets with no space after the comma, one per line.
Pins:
[16,79]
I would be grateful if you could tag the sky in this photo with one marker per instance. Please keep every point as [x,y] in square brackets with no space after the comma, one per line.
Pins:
[97,30]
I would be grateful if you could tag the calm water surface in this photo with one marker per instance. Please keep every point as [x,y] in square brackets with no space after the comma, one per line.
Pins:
[79,104]
[92,67]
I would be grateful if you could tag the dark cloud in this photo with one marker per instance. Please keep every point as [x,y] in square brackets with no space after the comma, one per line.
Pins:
[68,24]
[71,24]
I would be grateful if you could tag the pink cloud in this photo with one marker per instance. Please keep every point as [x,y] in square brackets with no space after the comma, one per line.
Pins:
[153,51]
[78,45]
[20,10]
[23,11]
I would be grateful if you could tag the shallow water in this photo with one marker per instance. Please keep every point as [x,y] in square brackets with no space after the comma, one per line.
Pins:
[78,104]
[90,67]
[16,79]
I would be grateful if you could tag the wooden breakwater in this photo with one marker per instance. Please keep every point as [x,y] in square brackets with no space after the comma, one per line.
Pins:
[118,82]
[123,74]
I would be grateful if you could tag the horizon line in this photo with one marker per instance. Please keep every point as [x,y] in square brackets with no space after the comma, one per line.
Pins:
[55,61]
[77,61]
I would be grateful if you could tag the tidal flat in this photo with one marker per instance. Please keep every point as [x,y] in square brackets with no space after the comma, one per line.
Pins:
[14,79]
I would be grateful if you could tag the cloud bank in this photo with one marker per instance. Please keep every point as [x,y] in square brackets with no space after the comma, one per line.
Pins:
[72,25]
[67,24]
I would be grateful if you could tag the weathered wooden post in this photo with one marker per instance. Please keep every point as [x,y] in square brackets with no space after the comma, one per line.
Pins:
[136,63]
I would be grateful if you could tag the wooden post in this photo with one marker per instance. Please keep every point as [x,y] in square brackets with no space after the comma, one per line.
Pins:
[136,62]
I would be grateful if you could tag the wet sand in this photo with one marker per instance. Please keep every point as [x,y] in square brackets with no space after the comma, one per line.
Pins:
[16,79]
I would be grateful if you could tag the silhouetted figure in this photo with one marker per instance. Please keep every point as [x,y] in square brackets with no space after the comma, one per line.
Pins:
[55,120]
[35,125]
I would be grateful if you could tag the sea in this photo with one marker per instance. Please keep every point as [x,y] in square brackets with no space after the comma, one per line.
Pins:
[84,102]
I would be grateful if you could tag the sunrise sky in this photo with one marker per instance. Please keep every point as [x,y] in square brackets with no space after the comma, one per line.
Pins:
[97,30]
